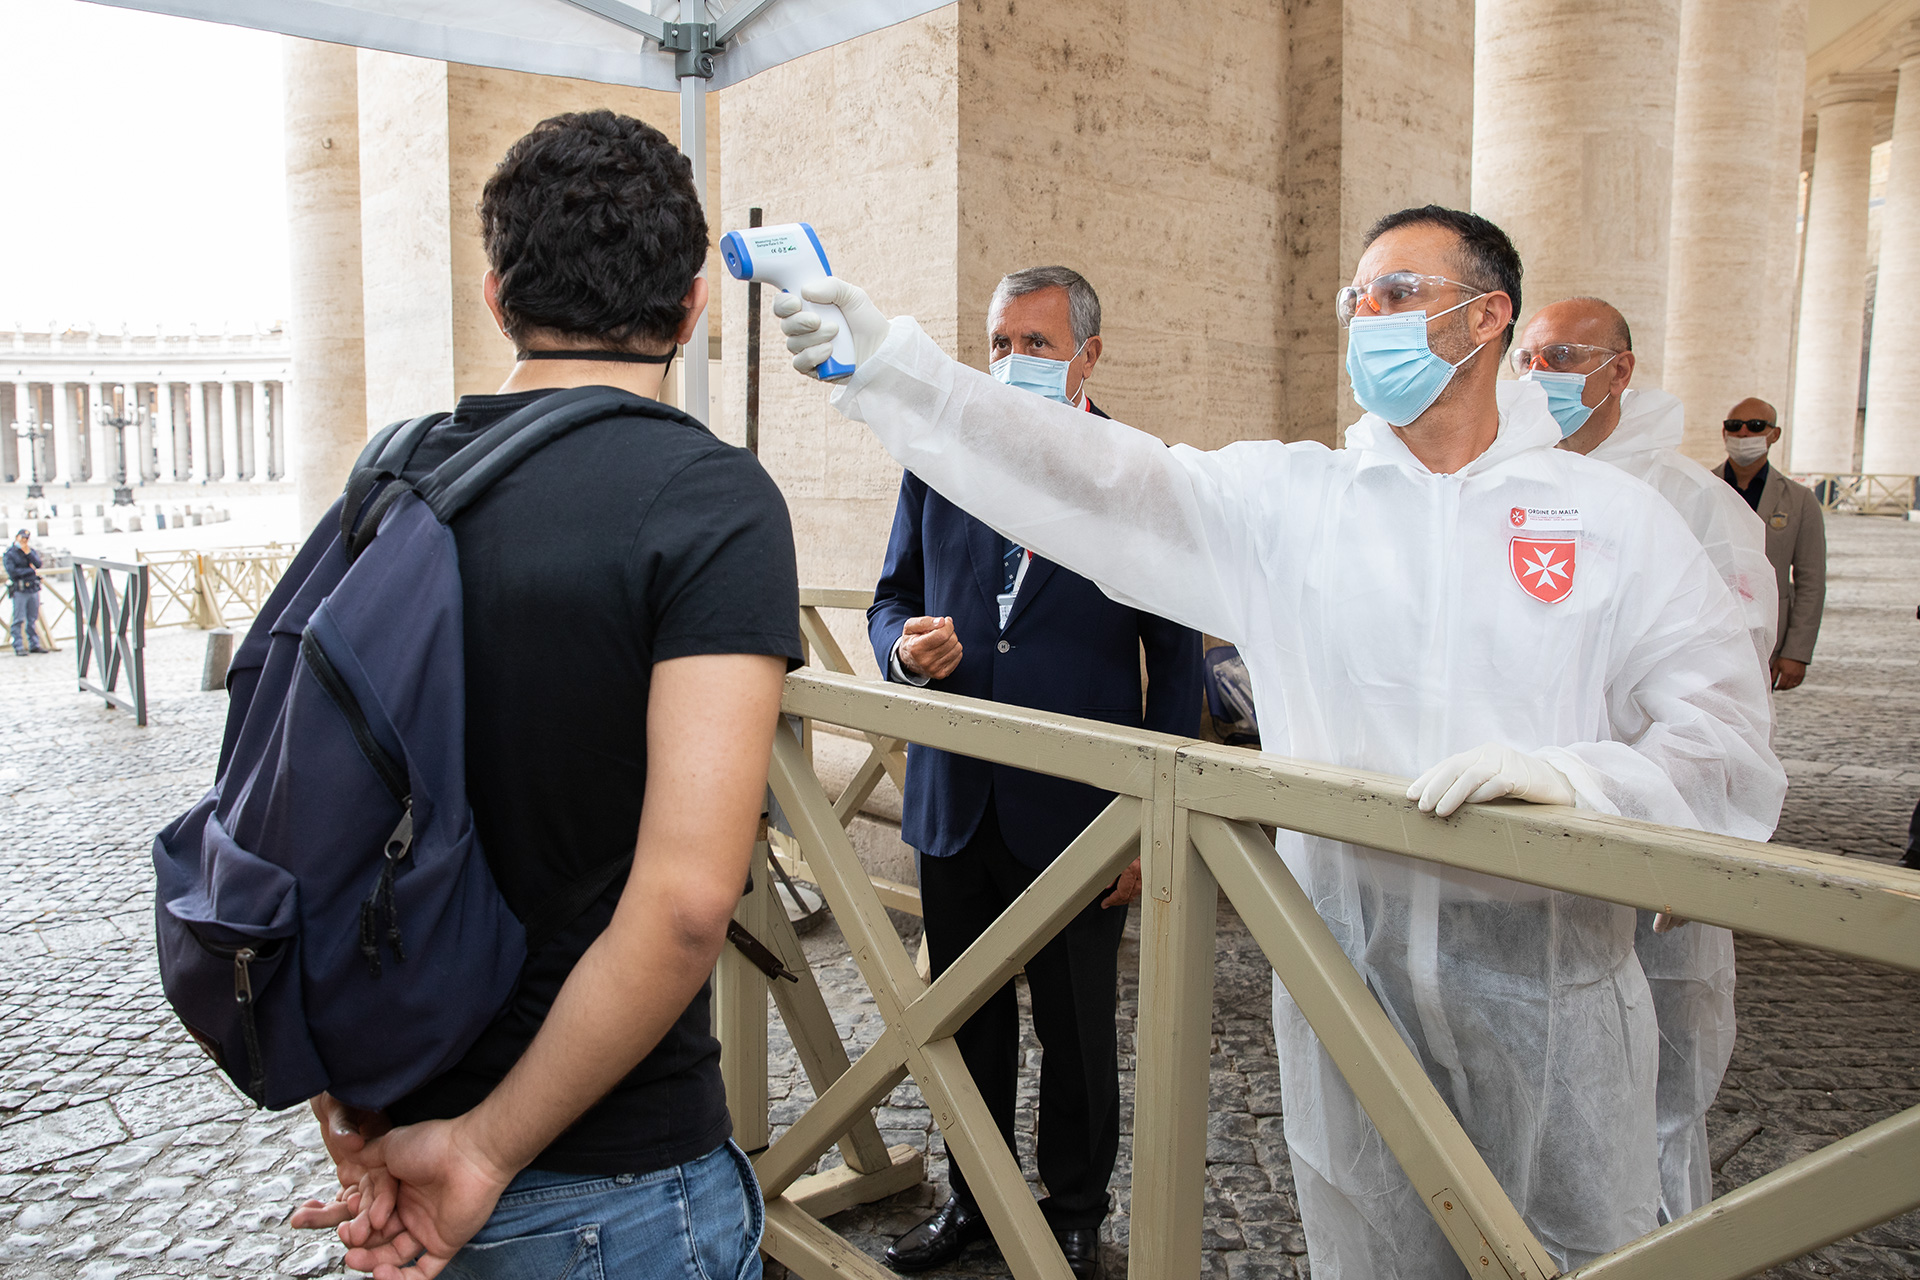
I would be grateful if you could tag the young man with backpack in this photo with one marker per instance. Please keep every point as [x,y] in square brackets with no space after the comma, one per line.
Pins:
[631,609]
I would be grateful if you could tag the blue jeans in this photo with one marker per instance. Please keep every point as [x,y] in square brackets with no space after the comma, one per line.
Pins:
[26,612]
[697,1221]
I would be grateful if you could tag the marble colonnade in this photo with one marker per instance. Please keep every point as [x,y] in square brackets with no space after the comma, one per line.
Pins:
[192,431]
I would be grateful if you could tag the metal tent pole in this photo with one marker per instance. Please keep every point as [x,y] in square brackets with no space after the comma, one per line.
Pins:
[693,142]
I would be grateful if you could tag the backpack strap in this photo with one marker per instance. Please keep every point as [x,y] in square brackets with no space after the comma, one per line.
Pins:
[384,458]
[459,481]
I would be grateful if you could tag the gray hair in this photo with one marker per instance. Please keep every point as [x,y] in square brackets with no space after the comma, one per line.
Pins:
[1083,304]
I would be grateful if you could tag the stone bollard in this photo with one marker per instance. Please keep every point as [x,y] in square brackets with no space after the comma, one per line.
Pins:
[79,525]
[219,657]
[194,519]
[99,508]
[41,530]
[133,524]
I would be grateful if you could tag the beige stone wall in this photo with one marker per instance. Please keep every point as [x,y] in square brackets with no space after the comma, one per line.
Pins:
[874,170]
[1146,155]
[433,133]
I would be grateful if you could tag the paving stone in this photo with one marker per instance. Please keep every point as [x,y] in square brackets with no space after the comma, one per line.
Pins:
[57,1133]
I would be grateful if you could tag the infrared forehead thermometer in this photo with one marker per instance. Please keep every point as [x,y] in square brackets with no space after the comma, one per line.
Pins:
[789,256]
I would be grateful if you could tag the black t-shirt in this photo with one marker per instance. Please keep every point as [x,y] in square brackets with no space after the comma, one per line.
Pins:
[621,544]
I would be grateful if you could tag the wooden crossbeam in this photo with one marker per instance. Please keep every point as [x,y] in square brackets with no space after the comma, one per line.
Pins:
[858,1090]
[824,1194]
[817,1042]
[798,1240]
[1851,906]
[1413,1120]
[1855,1183]
[993,1175]
[1055,897]
[1102,755]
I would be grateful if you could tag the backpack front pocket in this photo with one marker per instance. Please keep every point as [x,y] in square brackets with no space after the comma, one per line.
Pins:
[229,955]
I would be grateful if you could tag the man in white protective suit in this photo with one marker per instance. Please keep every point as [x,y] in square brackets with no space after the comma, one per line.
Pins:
[1581,351]
[1449,596]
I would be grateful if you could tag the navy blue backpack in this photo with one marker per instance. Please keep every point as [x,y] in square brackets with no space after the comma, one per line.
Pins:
[326,919]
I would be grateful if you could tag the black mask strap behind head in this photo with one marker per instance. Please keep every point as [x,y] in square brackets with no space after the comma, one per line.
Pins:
[623,357]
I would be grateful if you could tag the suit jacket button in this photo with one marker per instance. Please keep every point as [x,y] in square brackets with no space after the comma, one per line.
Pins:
[1004,646]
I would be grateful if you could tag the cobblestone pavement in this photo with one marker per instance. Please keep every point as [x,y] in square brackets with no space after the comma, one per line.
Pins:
[123,1155]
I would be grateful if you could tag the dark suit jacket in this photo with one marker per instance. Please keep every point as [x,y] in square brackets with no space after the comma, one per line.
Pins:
[1066,648]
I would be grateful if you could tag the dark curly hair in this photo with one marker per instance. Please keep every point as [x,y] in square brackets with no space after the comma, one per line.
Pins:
[594,228]
[1488,260]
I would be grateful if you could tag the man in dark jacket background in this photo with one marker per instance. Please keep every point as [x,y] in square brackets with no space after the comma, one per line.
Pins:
[23,584]
[962,609]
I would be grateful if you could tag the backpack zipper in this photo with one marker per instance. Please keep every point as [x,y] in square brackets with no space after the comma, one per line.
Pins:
[243,996]
[379,913]
[392,774]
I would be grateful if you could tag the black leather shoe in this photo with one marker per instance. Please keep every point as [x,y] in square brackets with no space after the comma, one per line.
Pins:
[940,1239]
[1082,1247]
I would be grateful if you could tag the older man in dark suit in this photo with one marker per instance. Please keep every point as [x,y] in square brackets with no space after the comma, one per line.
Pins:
[960,607]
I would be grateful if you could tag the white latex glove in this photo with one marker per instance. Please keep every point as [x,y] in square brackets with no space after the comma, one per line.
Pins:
[810,337]
[1488,773]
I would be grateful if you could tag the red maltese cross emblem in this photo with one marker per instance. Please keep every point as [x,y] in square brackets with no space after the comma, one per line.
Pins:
[1542,566]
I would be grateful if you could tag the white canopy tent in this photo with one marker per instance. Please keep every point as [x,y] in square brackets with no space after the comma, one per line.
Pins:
[702,46]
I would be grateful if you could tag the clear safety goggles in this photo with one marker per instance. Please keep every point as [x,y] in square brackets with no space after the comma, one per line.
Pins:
[1559,357]
[1395,291]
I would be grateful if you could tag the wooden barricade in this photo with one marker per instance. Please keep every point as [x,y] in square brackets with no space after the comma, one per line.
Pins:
[1191,809]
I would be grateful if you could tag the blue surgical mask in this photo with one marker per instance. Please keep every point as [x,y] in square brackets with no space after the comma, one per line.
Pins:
[1037,374]
[1394,372]
[1564,392]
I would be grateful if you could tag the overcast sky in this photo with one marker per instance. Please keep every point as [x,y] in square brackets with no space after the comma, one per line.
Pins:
[140,170]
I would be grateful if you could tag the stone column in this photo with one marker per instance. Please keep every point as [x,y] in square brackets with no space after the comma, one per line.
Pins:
[10,449]
[277,430]
[1573,151]
[230,435]
[163,455]
[82,468]
[1782,296]
[60,443]
[322,113]
[100,438]
[140,468]
[185,456]
[1833,297]
[1724,153]
[1892,444]
[213,431]
[245,455]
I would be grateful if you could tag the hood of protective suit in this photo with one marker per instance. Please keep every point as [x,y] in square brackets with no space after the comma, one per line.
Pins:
[1525,424]
[1648,420]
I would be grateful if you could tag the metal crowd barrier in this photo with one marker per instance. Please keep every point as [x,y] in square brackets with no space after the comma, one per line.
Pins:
[1191,809]
[1866,495]
[109,632]
[205,589]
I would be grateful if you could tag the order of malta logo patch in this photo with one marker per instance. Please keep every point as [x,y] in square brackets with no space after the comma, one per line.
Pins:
[1542,566]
